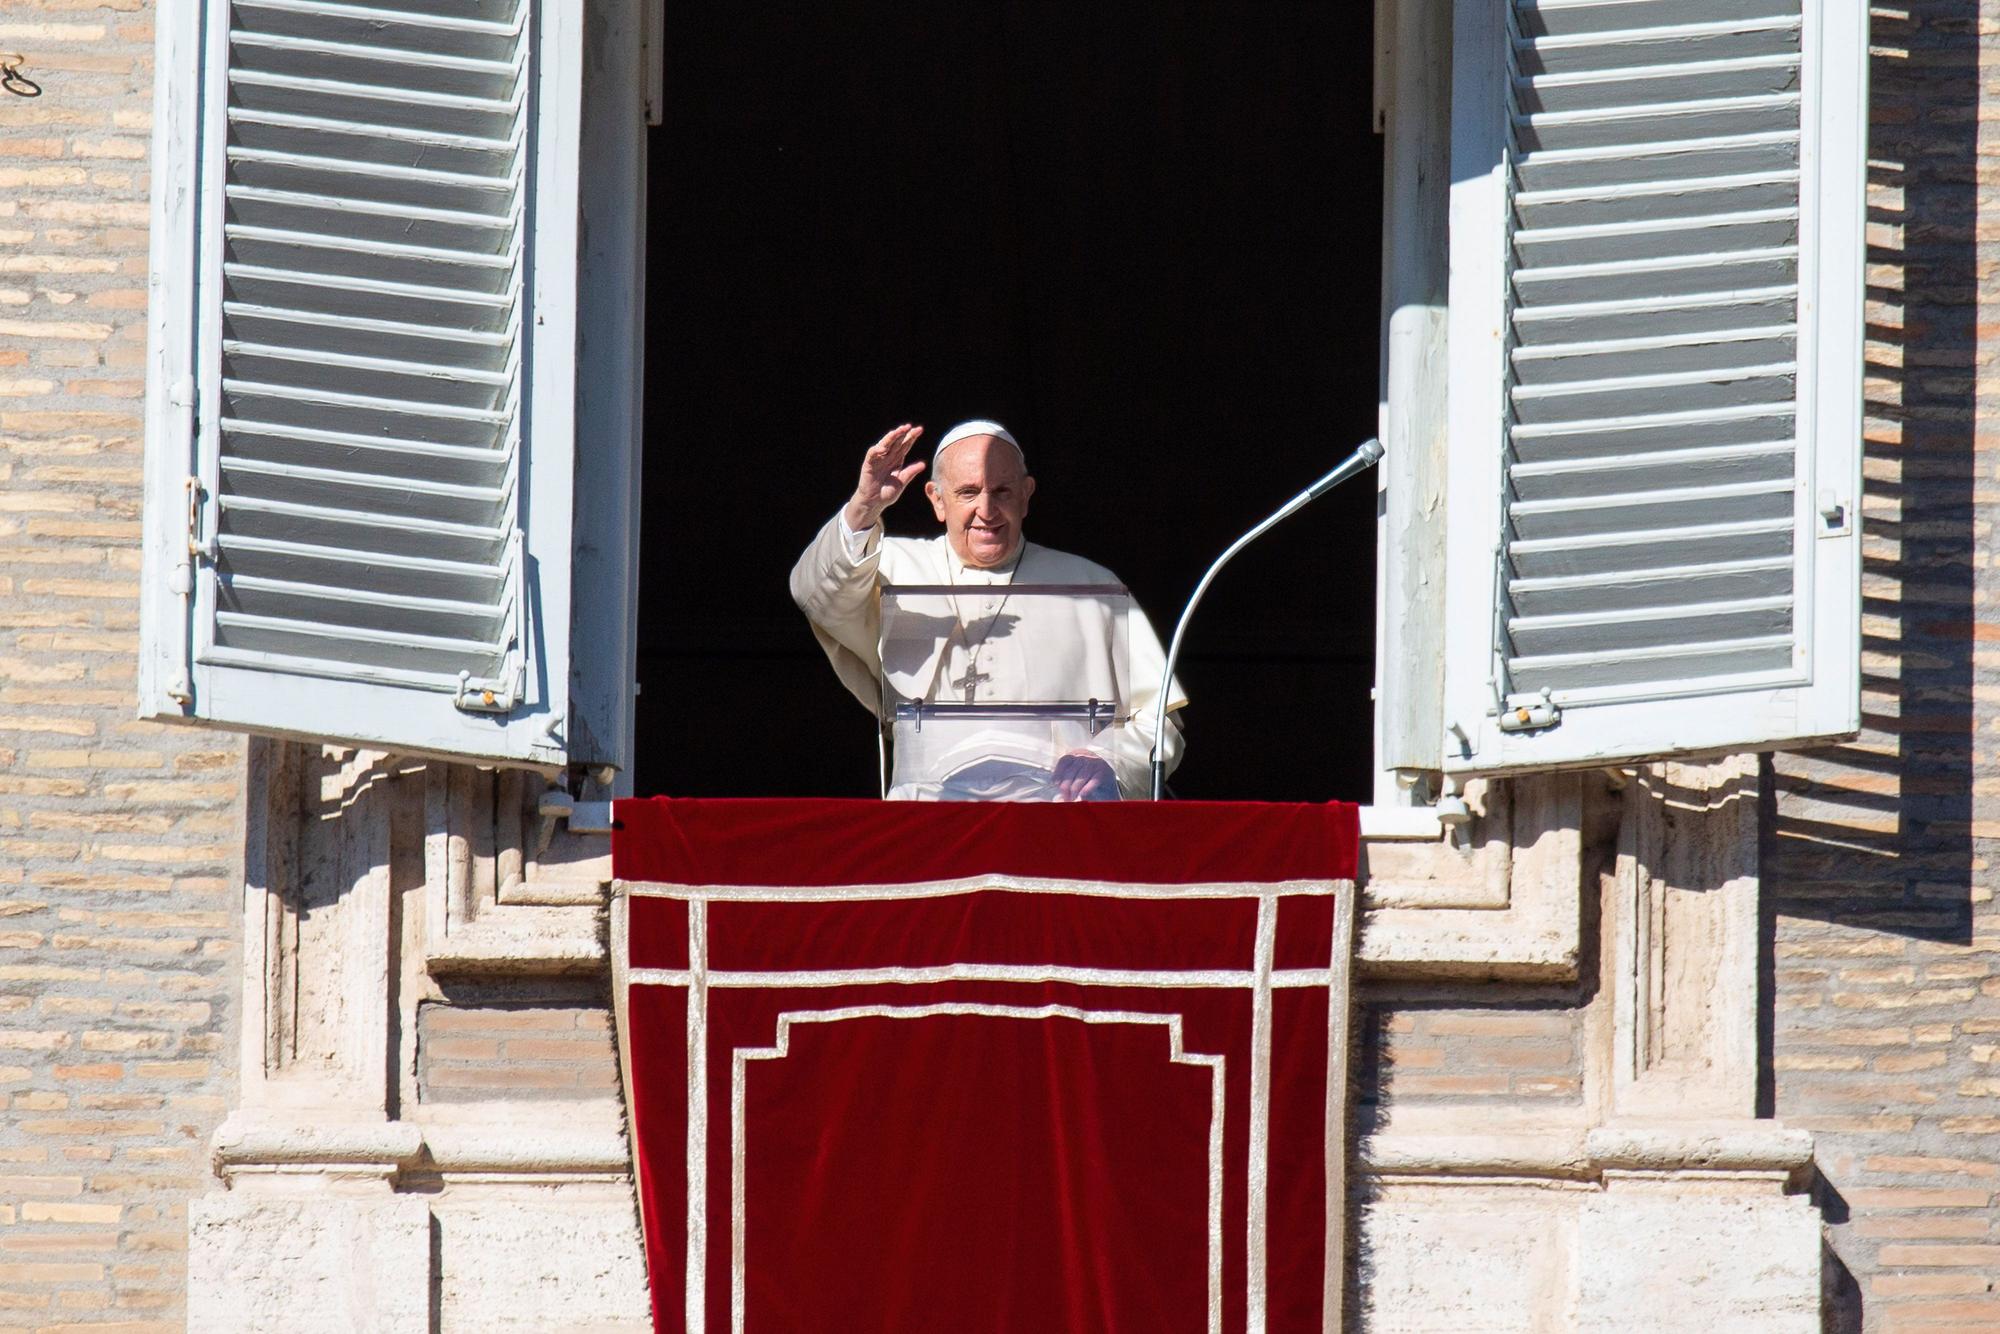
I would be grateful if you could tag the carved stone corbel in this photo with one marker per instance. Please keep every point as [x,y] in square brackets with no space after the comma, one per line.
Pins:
[1683,944]
[1502,899]
[510,891]
[321,871]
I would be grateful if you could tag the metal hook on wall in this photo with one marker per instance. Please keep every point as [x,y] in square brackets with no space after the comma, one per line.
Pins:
[13,80]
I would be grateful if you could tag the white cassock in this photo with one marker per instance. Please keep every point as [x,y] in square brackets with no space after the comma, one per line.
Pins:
[1043,654]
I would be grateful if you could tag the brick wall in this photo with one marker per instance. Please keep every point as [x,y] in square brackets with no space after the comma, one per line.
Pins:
[1885,944]
[117,838]
[537,1045]
[1455,1045]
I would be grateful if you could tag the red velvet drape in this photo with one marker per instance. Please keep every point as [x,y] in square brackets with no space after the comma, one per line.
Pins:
[967,1068]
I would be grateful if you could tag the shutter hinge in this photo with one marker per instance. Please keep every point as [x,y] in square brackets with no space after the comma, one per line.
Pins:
[200,546]
[1529,717]
[495,695]
[180,576]
[180,579]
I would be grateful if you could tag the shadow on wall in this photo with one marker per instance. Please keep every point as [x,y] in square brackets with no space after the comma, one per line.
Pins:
[1869,847]
[1878,834]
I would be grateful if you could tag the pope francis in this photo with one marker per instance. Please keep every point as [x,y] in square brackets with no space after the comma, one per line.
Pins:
[982,649]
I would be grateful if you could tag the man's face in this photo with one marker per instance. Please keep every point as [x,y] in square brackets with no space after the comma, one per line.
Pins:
[981,496]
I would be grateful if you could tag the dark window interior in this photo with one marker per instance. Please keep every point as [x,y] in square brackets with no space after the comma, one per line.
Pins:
[1142,233]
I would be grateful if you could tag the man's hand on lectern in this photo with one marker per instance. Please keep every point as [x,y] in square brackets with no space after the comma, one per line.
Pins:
[884,478]
[1084,776]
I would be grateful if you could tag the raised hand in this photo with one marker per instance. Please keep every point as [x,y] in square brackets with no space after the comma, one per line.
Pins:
[884,477]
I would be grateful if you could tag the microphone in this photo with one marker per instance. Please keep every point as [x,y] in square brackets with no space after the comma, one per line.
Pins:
[1365,456]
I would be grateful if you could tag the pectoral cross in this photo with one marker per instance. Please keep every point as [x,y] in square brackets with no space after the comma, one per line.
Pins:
[972,680]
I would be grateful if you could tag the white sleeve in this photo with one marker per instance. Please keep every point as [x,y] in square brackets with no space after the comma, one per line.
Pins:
[1133,760]
[834,584]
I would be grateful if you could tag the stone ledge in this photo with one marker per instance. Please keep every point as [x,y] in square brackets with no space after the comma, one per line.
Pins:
[516,948]
[1507,905]
[492,1145]
[526,1149]
[1755,1146]
[1516,1155]
[251,1142]
[1501,901]
[1765,1148]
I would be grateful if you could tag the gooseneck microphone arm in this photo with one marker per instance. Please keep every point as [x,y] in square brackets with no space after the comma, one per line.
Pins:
[1360,460]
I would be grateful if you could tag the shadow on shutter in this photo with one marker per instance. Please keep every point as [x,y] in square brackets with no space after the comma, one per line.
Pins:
[370,323]
[1658,578]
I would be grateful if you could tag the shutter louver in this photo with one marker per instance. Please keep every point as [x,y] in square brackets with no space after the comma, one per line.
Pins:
[371,305]
[1653,310]
[366,343]
[1658,445]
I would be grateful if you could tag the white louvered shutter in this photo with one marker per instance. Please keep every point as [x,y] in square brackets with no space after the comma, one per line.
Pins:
[1655,402]
[362,382]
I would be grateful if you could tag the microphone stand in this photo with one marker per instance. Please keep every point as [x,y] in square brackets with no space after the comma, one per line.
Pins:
[1360,460]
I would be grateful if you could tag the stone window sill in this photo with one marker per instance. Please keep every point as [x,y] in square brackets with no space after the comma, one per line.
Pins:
[1498,897]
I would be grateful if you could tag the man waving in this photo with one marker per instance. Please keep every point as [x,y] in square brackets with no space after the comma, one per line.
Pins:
[985,650]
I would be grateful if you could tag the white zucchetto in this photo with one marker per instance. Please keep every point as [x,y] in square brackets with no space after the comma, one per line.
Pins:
[966,430]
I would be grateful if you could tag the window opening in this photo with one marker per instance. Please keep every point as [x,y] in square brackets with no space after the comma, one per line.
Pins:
[1144,235]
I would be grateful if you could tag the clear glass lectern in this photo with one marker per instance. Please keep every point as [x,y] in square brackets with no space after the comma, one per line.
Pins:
[1008,692]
